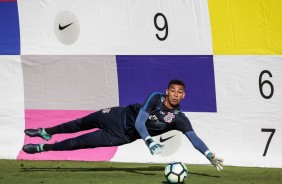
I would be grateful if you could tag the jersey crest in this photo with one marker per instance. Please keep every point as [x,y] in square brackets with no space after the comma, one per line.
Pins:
[168,118]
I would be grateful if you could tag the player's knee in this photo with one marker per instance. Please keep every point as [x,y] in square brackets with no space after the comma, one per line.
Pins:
[77,144]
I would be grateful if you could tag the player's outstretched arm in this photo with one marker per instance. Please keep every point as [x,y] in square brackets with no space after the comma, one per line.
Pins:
[201,146]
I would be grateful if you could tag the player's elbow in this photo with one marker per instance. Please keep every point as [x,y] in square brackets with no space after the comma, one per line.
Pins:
[138,126]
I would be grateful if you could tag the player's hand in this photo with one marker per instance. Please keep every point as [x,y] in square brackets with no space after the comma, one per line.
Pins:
[217,162]
[154,147]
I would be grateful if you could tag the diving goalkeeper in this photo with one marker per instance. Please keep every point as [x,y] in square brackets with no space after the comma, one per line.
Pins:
[160,113]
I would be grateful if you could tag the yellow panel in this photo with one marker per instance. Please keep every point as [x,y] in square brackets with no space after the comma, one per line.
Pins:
[246,26]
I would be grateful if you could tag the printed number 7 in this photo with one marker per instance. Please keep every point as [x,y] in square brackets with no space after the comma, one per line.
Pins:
[269,139]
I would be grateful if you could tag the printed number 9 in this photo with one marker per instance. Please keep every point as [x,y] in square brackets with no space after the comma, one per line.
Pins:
[165,27]
[265,82]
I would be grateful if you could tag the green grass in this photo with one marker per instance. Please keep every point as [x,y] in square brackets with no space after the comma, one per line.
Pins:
[72,172]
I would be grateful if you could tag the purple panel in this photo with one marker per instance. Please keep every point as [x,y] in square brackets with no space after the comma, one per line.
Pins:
[140,75]
[9,28]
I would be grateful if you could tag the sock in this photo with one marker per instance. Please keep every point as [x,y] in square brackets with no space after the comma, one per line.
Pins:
[41,147]
[48,147]
[51,131]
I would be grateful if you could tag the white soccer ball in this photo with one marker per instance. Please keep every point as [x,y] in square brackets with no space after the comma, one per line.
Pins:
[176,172]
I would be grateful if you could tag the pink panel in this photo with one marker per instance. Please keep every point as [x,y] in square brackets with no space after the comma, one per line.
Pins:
[48,118]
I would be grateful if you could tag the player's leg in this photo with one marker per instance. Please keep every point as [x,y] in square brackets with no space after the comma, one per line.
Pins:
[99,138]
[88,122]
[46,133]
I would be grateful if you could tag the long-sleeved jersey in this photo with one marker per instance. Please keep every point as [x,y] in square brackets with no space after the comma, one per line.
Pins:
[161,119]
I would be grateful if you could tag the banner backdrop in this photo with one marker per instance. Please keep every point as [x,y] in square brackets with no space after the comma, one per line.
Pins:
[63,59]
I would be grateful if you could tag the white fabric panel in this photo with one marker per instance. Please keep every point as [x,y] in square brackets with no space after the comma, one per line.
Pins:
[115,27]
[240,101]
[11,106]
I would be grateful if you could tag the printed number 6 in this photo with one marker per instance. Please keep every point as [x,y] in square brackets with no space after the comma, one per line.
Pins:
[265,82]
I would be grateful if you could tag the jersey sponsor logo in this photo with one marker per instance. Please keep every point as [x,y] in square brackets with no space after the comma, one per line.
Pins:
[107,110]
[161,112]
[176,111]
[165,139]
[168,118]
[153,118]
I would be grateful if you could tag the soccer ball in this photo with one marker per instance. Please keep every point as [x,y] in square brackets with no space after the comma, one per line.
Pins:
[176,172]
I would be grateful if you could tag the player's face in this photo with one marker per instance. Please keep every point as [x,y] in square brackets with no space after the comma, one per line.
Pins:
[174,94]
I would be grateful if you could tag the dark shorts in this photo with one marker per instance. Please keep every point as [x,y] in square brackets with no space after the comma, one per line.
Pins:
[111,130]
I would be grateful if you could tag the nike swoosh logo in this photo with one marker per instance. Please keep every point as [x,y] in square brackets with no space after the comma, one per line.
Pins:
[165,139]
[64,27]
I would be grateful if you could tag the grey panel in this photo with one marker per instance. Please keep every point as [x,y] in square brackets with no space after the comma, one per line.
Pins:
[70,82]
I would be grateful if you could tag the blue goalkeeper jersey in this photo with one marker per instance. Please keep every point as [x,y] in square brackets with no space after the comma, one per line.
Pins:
[161,119]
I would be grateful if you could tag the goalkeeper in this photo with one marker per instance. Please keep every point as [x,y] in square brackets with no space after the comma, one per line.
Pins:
[160,113]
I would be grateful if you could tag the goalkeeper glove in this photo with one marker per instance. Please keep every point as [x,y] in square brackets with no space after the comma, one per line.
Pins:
[154,147]
[217,162]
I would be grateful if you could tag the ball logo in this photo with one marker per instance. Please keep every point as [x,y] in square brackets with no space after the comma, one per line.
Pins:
[66,27]
[168,118]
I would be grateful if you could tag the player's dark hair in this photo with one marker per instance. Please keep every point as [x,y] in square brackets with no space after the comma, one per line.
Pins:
[177,82]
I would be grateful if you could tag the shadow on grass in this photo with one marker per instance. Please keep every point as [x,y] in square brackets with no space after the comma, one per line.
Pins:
[191,173]
[199,174]
[137,170]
